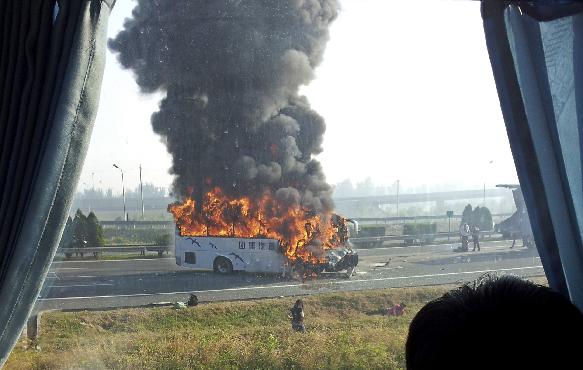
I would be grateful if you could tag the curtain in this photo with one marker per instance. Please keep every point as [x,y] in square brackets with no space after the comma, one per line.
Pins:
[536,55]
[51,65]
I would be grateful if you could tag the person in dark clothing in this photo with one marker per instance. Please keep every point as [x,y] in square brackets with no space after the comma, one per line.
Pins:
[496,323]
[297,316]
[464,235]
[476,237]
[192,301]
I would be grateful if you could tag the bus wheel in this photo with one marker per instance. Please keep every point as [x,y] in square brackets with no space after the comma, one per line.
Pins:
[223,266]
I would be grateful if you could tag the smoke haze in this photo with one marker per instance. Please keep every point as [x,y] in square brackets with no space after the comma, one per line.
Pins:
[232,116]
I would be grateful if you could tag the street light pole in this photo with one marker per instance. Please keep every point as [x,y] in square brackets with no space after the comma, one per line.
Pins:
[141,192]
[484,199]
[398,198]
[123,192]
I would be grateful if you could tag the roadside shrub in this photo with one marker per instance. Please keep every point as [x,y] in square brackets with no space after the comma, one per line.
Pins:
[415,229]
[134,236]
[163,239]
[94,233]
[483,218]
[479,216]
[79,237]
[371,230]
[67,237]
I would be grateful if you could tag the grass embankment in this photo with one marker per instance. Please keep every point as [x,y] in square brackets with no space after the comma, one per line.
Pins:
[344,330]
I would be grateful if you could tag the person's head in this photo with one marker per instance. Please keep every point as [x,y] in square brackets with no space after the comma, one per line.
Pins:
[299,304]
[496,323]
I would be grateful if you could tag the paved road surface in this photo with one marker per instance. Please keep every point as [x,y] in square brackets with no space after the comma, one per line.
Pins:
[98,284]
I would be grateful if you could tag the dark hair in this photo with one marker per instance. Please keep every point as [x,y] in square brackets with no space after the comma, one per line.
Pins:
[495,323]
[299,304]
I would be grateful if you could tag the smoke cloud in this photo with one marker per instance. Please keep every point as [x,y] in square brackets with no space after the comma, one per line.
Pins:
[232,116]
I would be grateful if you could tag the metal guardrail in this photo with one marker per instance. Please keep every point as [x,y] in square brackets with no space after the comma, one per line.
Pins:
[138,224]
[416,218]
[142,249]
[370,239]
[170,224]
[425,197]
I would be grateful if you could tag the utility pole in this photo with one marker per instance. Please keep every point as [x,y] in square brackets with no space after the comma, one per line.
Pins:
[141,192]
[123,192]
[398,182]
[449,216]
[486,175]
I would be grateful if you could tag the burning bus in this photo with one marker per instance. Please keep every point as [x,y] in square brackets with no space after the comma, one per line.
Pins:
[242,136]
[227,235]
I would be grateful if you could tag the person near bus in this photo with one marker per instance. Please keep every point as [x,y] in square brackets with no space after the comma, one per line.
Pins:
[476,237]
[297,316]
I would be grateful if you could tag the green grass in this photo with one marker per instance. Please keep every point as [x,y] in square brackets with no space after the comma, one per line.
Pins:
[344,331]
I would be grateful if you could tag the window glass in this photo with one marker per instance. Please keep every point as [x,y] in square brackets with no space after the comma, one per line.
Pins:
[190,257]
[248,153]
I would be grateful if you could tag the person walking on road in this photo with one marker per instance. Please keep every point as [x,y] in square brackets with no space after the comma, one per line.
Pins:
[297,316]
[476,237]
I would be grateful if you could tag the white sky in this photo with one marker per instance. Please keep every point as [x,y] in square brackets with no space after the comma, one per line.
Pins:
[405,87]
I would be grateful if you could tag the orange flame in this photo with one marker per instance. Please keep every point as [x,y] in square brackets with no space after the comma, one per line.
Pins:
[301,235]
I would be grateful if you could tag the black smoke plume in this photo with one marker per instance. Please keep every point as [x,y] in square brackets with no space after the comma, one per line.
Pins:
[231,69]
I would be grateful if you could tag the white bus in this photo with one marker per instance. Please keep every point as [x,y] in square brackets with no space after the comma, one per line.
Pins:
[227,254]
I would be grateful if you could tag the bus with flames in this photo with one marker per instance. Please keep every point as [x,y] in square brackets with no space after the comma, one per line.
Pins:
[226,254]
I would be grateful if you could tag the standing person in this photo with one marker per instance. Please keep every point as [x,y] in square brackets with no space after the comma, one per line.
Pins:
[476,237]
[465,234]
[297,316]
[514,240]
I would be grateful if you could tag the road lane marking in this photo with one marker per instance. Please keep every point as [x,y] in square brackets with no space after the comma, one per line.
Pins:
[442,274]
[79,285]
[295,285]
[485,244]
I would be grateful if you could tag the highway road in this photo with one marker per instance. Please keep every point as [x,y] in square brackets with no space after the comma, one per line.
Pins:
[102,284]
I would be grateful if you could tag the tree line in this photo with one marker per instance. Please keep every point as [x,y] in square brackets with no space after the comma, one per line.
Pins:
[149,190]
[82,232]
[479,216]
